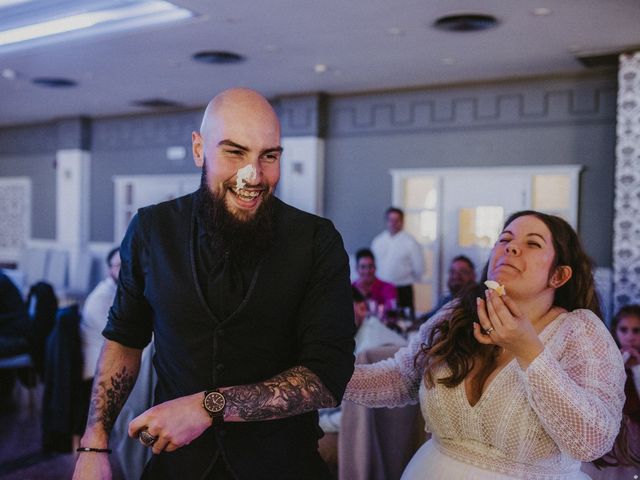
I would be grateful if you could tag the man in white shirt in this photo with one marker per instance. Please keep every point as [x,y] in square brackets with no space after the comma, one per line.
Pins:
[398,257]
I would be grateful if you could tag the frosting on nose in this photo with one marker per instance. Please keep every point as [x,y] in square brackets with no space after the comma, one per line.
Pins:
[244,175]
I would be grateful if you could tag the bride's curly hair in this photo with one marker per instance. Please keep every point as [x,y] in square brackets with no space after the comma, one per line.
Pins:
[451,342]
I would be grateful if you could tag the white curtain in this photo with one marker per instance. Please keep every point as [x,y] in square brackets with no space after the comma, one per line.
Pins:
[626,243]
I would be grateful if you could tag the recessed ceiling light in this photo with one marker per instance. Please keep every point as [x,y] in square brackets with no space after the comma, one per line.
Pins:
[448,61]
[395,31]
[9,74]
[54,82]
[217,57]
[72,16]
[158,103]
[541,11]
[466,22]
[272,48]
[320,68]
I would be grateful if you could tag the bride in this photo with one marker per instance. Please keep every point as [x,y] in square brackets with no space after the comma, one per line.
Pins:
[524,385]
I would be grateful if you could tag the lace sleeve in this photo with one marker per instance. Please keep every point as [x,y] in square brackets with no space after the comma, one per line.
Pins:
[579,396]
[393,382]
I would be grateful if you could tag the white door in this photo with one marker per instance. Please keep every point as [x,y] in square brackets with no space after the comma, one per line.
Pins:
[473,209]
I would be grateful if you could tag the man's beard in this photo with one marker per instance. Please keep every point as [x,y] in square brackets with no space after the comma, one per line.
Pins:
[244,239]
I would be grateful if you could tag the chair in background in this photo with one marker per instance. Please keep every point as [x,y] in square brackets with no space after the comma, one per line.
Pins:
[23,366]
[377,443]
[43,306]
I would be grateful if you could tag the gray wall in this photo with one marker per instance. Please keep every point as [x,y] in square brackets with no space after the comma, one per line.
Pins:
[516,123]
[134,146]
[552,121]
[31,152]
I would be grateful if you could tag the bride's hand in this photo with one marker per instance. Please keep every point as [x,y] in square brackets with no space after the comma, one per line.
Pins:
[502,324]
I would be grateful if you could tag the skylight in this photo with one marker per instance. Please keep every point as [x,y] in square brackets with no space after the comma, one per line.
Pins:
[26,21]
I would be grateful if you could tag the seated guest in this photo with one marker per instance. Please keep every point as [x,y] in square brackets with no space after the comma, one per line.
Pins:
[462,274]
[383,295]
[14,320]
[14,329]
[625,328]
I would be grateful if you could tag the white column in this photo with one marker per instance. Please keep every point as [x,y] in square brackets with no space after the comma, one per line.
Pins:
[302,173]
[72,207]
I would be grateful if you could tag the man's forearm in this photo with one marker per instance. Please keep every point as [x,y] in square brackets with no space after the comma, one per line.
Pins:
[116,375]
[293,392]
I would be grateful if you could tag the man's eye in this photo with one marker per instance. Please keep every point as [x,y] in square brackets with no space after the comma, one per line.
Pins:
[623,329]
[234,152]
[270,157]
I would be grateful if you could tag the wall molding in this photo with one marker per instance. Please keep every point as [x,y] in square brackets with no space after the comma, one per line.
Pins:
[521,104]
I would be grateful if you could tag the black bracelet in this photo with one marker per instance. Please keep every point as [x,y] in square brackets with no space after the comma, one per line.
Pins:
[90,449]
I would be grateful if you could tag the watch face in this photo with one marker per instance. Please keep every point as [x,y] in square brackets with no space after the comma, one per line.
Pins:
[214,402]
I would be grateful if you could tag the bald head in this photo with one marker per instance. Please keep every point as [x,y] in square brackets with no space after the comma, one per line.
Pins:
[240,131]
[241,101]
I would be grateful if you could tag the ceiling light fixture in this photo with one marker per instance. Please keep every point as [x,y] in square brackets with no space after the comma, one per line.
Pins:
[448,61]
[466,22]
[541,12]
[53,82]
[68,18]
[320,68]
[217,57]
[9,74]
[395,31]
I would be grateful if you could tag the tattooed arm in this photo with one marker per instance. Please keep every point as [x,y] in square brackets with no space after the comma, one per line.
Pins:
[295,391]
[115,376]
[178,422]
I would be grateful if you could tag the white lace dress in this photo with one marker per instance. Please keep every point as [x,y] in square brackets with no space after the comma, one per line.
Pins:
[538,423]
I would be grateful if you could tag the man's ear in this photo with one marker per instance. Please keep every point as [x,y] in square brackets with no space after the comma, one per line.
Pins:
[197,148]
[561,276]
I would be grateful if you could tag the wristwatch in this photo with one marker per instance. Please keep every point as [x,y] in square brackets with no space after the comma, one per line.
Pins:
[214,403]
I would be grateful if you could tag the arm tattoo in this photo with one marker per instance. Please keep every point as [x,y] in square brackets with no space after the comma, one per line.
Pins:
[107,400]
[296,391]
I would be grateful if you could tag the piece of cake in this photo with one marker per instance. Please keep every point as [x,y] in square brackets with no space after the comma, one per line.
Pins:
[499,289]
[245,174]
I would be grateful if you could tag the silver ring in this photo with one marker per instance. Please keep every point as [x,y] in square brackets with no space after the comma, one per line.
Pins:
[489,330]
[146,438]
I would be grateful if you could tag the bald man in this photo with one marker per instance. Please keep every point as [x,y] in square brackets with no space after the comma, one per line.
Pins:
[249,302]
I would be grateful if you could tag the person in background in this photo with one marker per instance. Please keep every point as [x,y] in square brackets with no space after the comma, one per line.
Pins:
[14,332]
[399,257]
[95,313]
[382,294]
[249,304]
[14,319]
[524,385]
[462,274]
[625,328]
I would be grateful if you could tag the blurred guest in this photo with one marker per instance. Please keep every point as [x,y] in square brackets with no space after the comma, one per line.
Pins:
[625,328]
[382,294]
[14,321]
[462,274]
[14,328]
[399,255]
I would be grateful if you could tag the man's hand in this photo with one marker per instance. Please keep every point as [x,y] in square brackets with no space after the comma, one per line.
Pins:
[175,423]
[92,466]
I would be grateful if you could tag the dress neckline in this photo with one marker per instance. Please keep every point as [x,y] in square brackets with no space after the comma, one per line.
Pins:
[544,335]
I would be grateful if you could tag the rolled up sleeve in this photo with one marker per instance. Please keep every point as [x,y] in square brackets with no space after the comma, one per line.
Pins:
[326,327]
[130,322]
